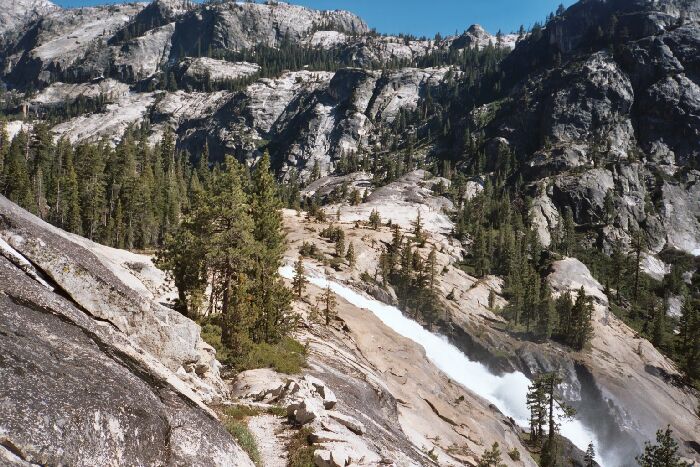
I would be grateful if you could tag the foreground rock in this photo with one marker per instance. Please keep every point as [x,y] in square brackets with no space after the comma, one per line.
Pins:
[89,360]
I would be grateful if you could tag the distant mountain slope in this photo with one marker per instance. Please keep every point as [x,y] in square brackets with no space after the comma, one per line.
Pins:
[17,13]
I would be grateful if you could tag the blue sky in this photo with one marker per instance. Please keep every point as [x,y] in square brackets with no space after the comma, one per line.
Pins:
[421,17]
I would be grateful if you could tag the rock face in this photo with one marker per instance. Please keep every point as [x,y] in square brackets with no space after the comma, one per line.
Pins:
[237,26]
[21,12]
[618,352]
[305,117]
[619,109]
[94,370]
[204,70]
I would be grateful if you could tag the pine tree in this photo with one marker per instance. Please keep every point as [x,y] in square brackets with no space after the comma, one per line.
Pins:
[18,187]
[328,304]
[394,248]
[299,281]
[271,299]
[689,338]
[658,331]
[564,306]
[609,206]
[662,454]
[492,457]
[432,269]
[557,411]
[418,233]
[374,219]
[340,244]
[638,246]
[72,221]
[355,197]
[581,317]
[536,403]
[90,168]
[546,315]
[589,457]
[4,150]
[350,256]
[569,233]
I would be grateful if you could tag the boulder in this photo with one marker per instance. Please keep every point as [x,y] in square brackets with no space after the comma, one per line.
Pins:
[329,399]
[305,410]
[260,385]
[347,421]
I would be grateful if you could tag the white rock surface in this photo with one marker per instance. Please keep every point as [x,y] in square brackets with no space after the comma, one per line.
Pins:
[127,109]
[19,12]
[60,93]
[217,70]
[144,56]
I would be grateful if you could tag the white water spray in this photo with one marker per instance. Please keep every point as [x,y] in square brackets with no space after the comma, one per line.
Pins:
[507,392]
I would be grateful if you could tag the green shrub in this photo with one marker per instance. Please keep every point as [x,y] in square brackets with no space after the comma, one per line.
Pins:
[514,454]
[239,430]
[277,411]
[241,412]
[287,356]
[300,450]
[211,334]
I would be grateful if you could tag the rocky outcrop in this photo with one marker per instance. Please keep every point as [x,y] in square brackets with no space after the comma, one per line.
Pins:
[604,103]
[89,360]
[204,71]
[236,26]
[65,45]
[620,371]
[59,94]
[111,289]
[17,14]
[477,36]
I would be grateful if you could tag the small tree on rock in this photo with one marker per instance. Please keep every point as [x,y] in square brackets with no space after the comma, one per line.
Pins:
[328,305]
[492,457]
[374,219]
[350,255]
[299,281]
[589,458]
[662,454]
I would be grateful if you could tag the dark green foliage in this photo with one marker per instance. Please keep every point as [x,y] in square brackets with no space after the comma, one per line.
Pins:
[327,305]
[270,298]
[286,356]
[547,409]
[575,328]
[413,277]
[129,196]
[17,186]
[621,273]
[374,219]
[299,281]
[491,458]
[224,259]
[663,453]
[688,345]
[589,458]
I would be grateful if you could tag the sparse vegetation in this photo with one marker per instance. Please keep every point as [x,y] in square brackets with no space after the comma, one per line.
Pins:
[300,449]
[236,425]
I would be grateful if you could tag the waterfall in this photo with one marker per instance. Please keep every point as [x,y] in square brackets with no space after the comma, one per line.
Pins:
[507,392]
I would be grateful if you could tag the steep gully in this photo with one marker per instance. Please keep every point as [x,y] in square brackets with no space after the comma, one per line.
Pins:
[506,392]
